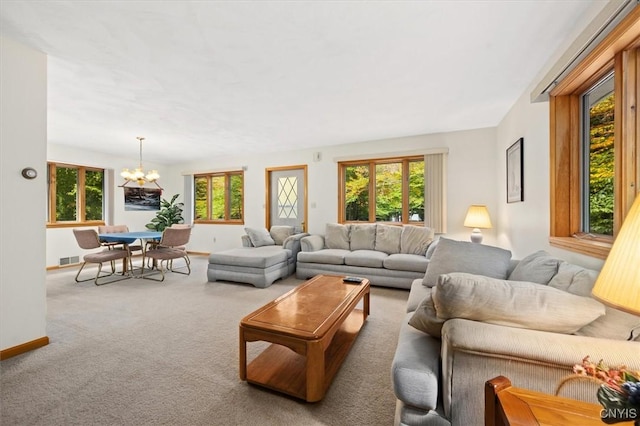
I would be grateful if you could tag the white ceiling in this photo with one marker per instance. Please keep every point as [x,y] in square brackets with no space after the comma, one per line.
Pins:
[210,78]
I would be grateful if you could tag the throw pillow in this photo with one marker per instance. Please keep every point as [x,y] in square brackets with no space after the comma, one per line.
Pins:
[259,237]
[463,256]
[513,303]
[279,233]
[388,238]
[363,237]
[538,267]
[425,317]
[337,236]
[415,239]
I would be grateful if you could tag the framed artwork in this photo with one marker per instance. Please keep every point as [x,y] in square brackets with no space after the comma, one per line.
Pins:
[515,172]
[141,199]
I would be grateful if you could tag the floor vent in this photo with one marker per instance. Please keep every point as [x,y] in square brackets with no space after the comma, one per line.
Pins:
[69,260]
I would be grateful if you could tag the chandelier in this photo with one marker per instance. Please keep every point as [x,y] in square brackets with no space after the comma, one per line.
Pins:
[138,175]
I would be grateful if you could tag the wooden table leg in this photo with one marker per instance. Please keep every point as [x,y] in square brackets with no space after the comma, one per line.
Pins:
[315,371]
[243,356]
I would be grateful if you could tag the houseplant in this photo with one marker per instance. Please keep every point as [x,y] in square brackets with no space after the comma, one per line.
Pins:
[170,212]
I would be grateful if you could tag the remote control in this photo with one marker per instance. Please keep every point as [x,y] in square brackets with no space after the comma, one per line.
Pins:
[352,280]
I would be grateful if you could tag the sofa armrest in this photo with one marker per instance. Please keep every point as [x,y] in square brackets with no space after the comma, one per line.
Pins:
[246,241]
[292,243]
[473,352]
[312,243]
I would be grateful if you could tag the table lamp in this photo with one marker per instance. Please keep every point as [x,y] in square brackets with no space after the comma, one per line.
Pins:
[477,217]
[618,284]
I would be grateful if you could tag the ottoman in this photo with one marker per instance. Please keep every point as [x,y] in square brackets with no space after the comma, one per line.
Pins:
[259,266]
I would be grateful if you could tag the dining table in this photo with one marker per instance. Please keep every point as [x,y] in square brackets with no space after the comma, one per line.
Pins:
[130,238]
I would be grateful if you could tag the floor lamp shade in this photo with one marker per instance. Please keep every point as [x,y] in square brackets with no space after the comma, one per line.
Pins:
[618,284]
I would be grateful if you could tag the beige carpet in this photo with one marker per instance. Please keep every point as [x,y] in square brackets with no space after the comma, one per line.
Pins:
[138,352]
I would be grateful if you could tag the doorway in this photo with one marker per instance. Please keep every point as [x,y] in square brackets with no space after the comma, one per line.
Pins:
[287,197]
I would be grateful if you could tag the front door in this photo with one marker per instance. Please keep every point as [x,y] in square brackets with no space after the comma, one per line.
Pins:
[287,197]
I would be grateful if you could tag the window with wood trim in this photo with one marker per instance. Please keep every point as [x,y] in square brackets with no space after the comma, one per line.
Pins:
[595,141]
[219,197]
[76,195]
[382,190]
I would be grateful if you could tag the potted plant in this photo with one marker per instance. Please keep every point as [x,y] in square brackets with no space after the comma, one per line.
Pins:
[170,213]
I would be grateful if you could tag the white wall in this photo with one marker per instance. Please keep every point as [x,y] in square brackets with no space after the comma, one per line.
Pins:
[524,227]
[60,241]
[23,142]
[471,179]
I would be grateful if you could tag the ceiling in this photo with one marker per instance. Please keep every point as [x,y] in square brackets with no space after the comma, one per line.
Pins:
[215,78]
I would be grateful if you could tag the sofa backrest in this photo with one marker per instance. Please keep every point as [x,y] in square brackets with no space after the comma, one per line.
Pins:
[390,239]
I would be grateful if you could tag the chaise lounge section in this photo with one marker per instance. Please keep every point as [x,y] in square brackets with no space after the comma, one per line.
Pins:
[265,257]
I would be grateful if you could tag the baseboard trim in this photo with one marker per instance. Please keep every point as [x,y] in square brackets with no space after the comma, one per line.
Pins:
[198,253]
[25,347]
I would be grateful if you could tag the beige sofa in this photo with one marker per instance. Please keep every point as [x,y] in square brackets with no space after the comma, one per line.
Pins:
[387,255]
[480,314]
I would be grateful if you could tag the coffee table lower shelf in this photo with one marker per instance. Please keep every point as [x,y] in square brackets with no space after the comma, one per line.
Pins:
[282,369]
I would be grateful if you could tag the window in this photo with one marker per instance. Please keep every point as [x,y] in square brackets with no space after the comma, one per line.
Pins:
[594,143]
[76,195]
[597,148]
[397,186]
[219,197]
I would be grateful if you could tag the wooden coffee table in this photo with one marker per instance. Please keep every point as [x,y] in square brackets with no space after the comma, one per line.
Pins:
[311,328]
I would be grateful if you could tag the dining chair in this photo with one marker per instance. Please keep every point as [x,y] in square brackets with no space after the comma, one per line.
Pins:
[88,239]
[168,250]
[153,244]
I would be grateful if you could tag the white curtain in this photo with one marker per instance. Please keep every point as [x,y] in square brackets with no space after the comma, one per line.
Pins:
[435,194]
[187,213]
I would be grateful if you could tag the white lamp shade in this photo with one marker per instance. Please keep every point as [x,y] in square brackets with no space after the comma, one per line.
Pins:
[477,217]
[618,284]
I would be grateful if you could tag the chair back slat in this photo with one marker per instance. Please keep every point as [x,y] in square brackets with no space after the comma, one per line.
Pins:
[87,238]
[112,229]
[173,237]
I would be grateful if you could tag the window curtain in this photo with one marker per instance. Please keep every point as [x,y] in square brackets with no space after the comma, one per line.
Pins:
[187,213]
[435,196]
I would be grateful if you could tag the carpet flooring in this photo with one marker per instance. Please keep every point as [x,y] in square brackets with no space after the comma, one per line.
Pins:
[139,352]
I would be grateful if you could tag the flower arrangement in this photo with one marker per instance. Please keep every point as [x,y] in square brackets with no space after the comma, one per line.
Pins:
[619,391]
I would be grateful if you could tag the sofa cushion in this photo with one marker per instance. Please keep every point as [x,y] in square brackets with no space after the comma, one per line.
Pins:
[463,256]
[614,324]
[388,238]
[366,258]
[425,318]
[263,257]
[406,262]
[513,303]
[259,237]
[279,233]
[538,267]
[363,237]
[415,239]
[417,294]
[337,236]
[328,256]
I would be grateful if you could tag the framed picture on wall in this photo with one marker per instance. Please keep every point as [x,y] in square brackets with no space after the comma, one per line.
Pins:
[515,172]
[141,199]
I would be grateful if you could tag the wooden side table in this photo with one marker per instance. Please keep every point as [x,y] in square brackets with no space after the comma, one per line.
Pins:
[509,406]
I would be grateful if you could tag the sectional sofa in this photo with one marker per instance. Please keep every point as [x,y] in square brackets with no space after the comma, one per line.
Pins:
[477,314]
[388,255]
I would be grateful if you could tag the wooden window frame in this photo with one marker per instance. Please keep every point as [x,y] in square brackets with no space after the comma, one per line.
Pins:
[52,222]
[342,165]
[618,52]
[227,192]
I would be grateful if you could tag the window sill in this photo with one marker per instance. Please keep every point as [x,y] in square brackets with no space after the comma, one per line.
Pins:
[599,249]
[74,224]
[219,222]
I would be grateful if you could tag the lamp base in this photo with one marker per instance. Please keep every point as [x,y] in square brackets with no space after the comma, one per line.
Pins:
[476,236]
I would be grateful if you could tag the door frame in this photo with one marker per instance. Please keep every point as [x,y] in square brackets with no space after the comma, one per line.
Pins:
[267,180]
